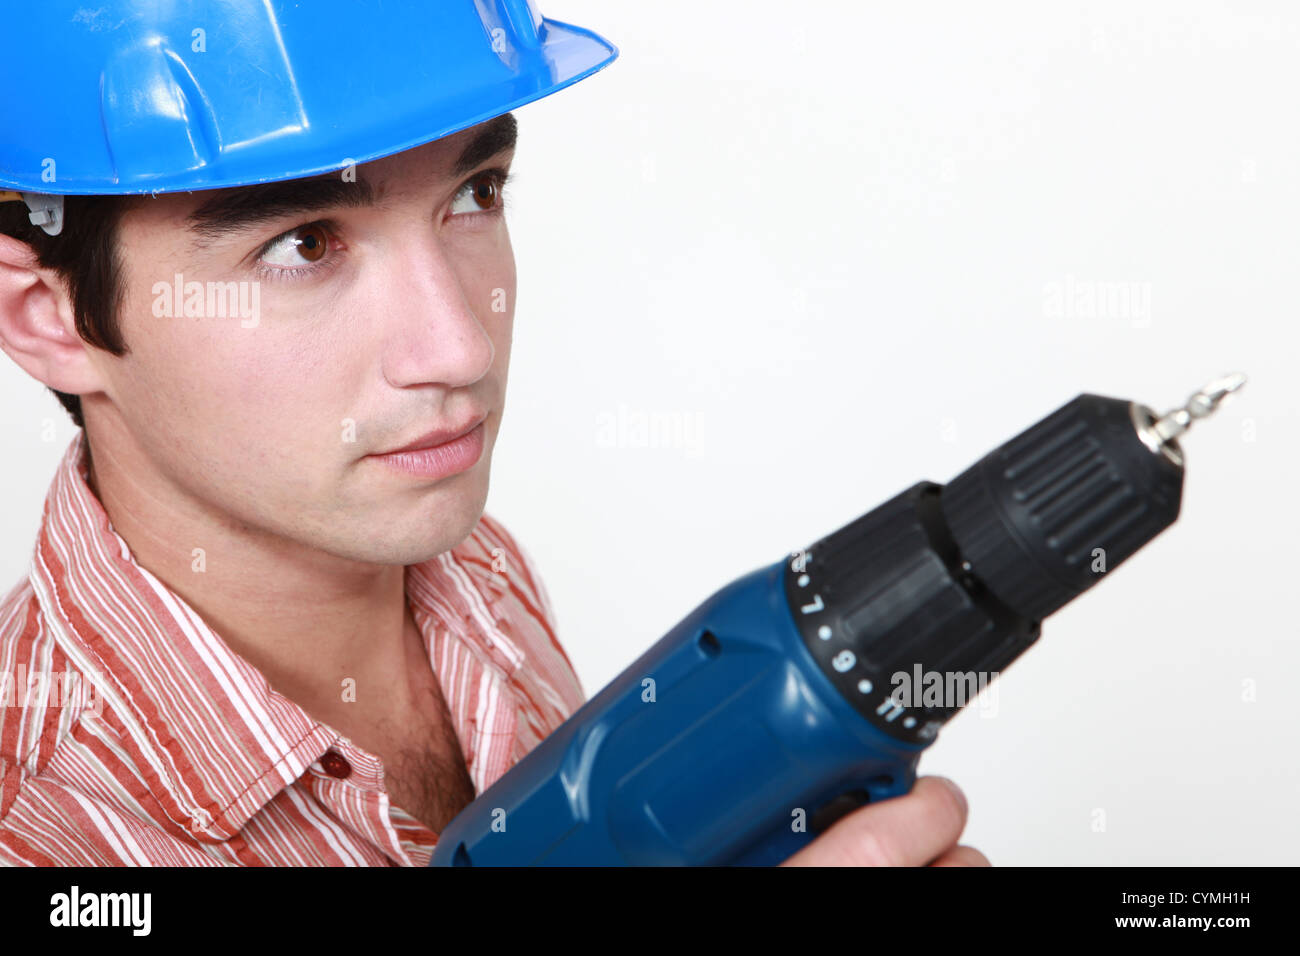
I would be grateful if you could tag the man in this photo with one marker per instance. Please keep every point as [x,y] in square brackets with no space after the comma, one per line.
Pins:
[266,552]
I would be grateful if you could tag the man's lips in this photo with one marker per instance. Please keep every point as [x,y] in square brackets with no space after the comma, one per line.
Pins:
[439,436]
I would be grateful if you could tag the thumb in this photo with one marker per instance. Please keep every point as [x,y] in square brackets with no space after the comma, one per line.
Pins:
[910,830]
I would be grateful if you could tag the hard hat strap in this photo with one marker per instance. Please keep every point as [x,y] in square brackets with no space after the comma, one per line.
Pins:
[45,210]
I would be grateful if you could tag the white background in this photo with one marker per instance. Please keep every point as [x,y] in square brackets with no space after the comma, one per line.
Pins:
[824,239]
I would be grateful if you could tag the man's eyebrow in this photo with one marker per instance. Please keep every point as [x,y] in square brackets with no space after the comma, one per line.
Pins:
[248,206]
[496,136]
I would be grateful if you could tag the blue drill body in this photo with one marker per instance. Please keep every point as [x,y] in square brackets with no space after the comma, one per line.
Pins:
[738,716]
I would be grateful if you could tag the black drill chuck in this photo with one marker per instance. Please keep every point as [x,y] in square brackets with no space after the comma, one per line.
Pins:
[1047,515]
[948,585]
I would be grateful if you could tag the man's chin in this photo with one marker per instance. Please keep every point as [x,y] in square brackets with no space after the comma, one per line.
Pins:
[409,543]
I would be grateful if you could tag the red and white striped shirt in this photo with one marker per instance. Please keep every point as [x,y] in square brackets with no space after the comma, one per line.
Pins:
[131,734]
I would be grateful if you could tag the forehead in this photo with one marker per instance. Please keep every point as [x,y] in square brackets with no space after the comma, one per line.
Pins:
[422,167]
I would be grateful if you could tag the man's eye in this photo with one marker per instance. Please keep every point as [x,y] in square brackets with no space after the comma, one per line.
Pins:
[303,245]
[480,194]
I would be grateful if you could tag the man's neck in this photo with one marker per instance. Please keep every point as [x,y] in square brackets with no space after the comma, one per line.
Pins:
[308,620]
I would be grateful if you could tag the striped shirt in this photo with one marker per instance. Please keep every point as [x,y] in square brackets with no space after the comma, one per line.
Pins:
[131,734]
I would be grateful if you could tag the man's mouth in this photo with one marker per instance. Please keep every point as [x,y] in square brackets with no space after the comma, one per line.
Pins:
[438,436]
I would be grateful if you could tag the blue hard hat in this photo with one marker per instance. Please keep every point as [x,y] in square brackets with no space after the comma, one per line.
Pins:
[152,96]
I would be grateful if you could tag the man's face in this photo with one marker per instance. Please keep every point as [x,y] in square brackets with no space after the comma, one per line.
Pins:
[380,323]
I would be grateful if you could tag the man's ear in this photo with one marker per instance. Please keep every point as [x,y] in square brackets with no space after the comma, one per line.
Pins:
[38,328]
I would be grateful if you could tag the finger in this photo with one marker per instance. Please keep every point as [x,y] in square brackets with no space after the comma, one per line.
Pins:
[962,856]
[910,830]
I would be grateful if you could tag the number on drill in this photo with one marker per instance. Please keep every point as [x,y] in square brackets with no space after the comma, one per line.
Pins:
[816,605]
[843,661]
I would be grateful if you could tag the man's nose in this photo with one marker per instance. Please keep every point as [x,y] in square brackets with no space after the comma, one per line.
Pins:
[431,332]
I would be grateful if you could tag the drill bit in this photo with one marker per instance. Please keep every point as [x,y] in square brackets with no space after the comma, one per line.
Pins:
[1176,421]
[1159,434]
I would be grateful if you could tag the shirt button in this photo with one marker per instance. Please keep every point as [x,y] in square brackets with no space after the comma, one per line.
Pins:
[336,765]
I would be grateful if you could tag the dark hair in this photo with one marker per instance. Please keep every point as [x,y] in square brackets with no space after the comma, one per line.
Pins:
[85,256]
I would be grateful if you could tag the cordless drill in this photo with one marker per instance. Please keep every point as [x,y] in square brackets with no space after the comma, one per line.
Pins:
[790,696]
